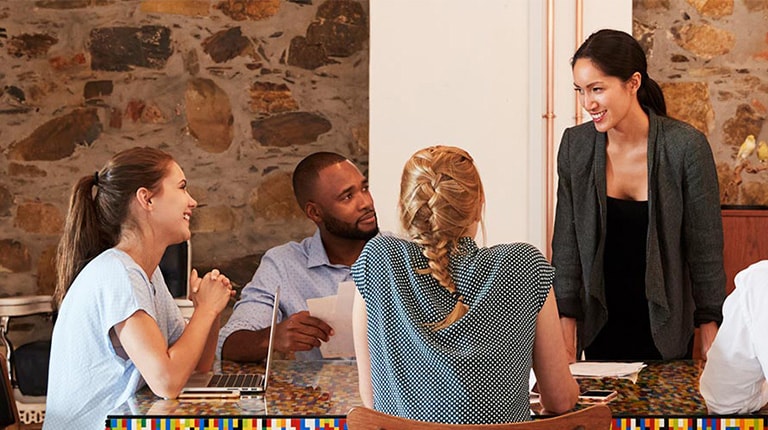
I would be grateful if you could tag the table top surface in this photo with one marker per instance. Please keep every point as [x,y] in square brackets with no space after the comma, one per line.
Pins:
[330,388]
[668,388]
[296,388]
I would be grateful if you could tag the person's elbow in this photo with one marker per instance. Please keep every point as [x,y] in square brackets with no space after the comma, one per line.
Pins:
[559,404]
[367,400]
[166,381]
[563,399]
[167,394]
[366,393]
[725,405]
[724,397]
[717,408]
[167,388]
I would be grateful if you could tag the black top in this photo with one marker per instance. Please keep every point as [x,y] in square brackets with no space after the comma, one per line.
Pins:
[627,333]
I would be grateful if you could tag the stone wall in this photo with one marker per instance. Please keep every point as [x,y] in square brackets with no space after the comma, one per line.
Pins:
[238,91]
[711,59]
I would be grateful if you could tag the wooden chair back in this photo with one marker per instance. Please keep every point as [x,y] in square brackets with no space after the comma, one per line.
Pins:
[9,415]
[596,417]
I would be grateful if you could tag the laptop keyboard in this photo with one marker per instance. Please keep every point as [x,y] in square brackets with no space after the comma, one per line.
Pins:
[236,380]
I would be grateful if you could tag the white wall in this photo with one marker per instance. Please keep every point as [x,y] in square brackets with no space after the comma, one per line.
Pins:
[471,74]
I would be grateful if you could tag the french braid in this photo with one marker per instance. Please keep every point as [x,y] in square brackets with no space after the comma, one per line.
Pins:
[441,196]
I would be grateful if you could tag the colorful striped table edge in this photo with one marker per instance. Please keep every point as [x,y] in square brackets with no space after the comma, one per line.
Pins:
[339,423]
[226,423]
[697,423]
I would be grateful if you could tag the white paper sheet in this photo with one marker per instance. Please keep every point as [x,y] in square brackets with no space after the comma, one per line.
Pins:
[533,397]
[606,369]
[337,312]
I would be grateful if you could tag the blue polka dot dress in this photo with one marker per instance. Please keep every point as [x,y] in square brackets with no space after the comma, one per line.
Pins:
[475,370]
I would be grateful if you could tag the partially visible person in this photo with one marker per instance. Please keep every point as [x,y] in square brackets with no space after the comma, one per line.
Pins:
[638,238]
[448,332]
[734,377]
[118,327]
[332,193]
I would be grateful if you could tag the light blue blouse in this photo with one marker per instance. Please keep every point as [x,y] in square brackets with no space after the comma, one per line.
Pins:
[87,378]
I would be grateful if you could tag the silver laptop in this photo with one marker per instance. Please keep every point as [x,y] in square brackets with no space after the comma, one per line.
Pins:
[212,384]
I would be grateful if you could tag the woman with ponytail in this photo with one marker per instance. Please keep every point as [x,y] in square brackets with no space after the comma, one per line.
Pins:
[118,327]
[638,239]
[446,331]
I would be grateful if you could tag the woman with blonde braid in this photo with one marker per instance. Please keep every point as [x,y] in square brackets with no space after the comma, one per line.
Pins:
[446,331]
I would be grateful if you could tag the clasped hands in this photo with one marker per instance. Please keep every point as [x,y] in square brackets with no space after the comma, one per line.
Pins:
[213,290]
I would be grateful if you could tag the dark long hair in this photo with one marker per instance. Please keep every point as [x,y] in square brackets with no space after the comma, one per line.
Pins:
[618,54]
[99,206]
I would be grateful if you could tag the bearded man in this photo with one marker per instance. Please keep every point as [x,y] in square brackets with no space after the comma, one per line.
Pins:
[333,194]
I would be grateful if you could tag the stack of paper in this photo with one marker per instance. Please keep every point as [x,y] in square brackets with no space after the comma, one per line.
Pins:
[606,369]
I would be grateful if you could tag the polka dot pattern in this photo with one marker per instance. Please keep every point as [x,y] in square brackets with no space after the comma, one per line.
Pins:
[475,370]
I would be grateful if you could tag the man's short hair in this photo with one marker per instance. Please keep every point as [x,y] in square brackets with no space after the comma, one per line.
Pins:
[307,172]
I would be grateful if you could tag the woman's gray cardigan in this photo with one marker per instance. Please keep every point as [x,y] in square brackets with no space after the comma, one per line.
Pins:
[684,275]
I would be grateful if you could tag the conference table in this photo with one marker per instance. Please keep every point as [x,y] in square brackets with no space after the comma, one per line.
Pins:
[318,394]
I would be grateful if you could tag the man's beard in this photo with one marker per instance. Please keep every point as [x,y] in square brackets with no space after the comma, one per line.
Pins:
[345,230]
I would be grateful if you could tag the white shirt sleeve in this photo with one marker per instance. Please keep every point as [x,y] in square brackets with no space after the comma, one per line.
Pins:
[733,381]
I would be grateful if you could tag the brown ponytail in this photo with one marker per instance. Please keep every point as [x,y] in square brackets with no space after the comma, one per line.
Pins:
[99,207]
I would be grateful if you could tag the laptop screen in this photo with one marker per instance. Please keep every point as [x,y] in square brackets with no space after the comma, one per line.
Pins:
[175,266]
[8,414]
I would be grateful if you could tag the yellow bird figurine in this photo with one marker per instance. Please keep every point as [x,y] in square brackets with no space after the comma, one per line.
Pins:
[746,148]
[762,151]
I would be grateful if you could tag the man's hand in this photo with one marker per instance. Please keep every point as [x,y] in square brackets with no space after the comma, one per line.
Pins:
[301,332]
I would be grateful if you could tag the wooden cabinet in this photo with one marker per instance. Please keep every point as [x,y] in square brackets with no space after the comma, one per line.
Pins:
[745,234]
[745,241]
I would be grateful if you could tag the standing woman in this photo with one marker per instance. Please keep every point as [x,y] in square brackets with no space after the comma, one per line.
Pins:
[448,332]
[118,326]
[638,239]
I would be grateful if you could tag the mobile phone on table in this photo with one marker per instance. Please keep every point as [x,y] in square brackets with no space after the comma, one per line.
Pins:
[209,394]
[597,396]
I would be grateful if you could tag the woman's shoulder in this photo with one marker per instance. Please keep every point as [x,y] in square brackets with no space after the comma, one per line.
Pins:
[386,244]
[580,133]
[682,142]
[106,276]
[578,145]
[520,264]
[110,262]
[517,253]
[583,128]
[677,130]
[388,241]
